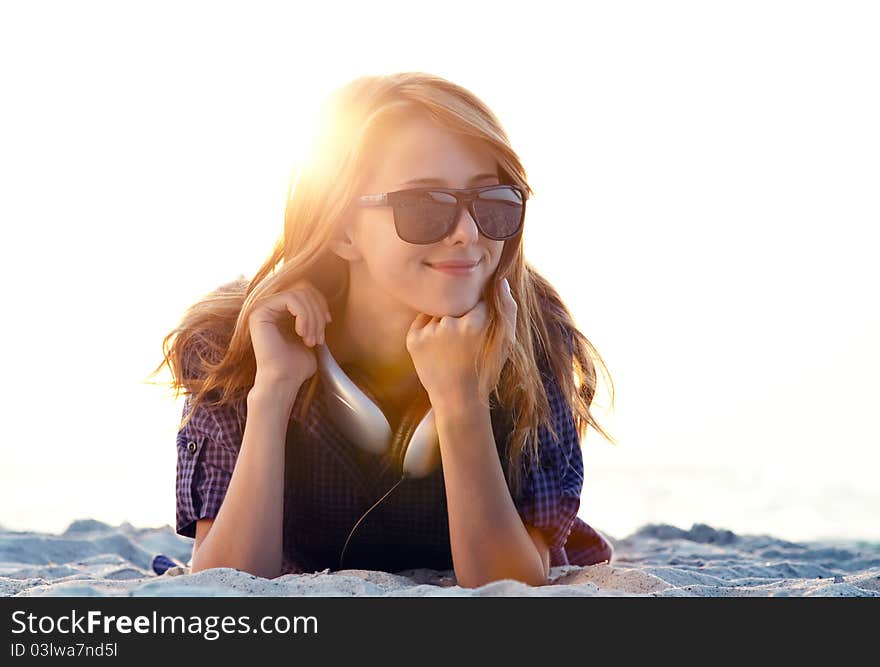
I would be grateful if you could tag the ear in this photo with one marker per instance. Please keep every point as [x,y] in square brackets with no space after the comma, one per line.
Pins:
[342,242]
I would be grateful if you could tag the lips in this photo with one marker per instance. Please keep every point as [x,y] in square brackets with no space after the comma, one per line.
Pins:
[457,264]
[455,268]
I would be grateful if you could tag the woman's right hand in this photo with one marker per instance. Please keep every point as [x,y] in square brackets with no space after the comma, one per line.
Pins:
[283,327]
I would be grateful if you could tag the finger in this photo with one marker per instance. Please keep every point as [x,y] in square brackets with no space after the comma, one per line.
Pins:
[314,316]
[507,301]
[478,314]
[505,292]
[323,305]
[420,322]
[317,320]
[313,298]
[507,307]
[320,318]
[305,292]
[298,309]
[317,299]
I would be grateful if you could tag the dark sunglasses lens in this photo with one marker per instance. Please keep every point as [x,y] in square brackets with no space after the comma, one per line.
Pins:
[499,212]
[424,217]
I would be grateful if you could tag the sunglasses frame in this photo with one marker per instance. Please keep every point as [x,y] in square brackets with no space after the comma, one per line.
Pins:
[463,197]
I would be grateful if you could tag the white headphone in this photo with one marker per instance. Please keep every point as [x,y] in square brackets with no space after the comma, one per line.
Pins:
[414,448]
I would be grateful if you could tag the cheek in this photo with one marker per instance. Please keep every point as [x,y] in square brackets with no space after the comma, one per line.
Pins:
[399,270]
[495,252]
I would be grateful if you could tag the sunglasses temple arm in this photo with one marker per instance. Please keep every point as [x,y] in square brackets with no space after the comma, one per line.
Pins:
[380,199]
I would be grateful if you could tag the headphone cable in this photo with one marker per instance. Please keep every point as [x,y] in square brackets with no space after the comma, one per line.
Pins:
[396,484]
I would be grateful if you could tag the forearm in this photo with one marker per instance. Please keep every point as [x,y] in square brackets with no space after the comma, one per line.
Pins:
[488,538]
[247,531]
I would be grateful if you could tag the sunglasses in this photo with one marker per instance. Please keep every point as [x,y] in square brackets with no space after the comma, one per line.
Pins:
[428,215]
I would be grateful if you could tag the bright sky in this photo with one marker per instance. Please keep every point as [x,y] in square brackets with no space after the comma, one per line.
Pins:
[706,181]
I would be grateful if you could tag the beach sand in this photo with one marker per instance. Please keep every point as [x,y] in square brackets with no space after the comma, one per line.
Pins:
[95,559]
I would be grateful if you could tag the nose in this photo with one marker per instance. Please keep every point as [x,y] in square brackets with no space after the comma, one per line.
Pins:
[465,230]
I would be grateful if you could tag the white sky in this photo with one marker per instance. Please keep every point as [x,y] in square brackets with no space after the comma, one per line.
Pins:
[706,181]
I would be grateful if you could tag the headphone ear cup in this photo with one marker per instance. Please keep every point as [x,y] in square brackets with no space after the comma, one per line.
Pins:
[411,419]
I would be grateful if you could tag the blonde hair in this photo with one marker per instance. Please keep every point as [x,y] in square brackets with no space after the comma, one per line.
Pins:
[210,354]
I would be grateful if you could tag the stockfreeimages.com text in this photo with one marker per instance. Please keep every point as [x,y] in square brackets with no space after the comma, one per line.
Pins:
[210,627]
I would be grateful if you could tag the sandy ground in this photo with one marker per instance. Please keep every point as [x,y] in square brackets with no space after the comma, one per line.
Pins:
[94,559]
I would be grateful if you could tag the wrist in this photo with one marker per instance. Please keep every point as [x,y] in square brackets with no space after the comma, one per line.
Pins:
[457,403]
[271,390]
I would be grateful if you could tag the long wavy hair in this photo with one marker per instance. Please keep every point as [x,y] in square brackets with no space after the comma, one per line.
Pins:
[209,352]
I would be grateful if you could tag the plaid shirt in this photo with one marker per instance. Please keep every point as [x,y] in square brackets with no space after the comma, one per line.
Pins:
[330,484]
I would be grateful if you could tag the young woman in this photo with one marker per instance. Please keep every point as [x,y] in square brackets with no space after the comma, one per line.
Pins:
[402,255]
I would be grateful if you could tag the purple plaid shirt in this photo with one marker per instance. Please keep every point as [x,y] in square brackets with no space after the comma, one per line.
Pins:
[330,484]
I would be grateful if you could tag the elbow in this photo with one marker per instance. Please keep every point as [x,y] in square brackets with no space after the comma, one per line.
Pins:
[530,569]
[202,561]
[540,578]
[199,565]
[262,572]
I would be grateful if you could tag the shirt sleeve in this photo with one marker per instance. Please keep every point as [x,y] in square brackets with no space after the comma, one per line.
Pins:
[552,487]
[207,449]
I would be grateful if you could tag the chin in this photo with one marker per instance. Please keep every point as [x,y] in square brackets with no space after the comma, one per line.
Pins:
[455,306]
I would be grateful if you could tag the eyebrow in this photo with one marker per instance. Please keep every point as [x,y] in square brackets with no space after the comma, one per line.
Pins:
[441,182]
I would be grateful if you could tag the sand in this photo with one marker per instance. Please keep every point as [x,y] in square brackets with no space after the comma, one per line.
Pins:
[95,559]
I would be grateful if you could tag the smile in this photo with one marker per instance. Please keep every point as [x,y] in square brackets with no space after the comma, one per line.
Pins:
[455,270]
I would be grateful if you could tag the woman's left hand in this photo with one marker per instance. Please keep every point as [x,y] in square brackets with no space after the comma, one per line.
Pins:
[444,349]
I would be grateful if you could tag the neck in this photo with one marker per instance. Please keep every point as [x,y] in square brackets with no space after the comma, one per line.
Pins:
[370,333]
